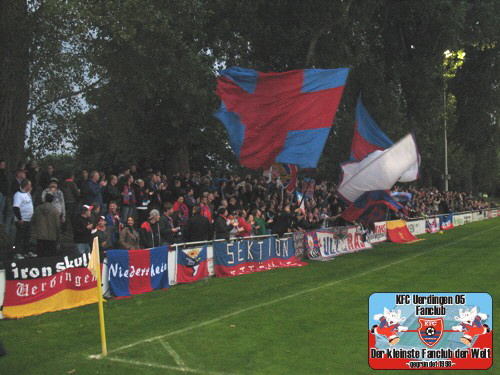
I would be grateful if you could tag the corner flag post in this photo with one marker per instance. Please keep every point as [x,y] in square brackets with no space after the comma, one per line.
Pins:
[95,267]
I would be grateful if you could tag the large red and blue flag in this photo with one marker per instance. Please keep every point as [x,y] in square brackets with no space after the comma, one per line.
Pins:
[192,265]
[367,135]
[283,117]
[137,271]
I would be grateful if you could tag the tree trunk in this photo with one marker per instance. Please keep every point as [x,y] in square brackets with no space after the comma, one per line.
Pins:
[14,80]
[178,159]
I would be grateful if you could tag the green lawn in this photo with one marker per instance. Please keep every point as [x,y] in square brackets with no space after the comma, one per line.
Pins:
[309,320]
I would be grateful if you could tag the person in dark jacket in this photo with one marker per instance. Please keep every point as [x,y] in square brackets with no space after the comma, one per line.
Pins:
[197,228]
[223,225]
[169,228]
[282,222]
[111,192]
[150,231]
[46,225]
[81,230]
[103,236]
[71,196]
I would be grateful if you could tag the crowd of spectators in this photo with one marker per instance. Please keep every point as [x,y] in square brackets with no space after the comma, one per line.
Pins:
[135,209]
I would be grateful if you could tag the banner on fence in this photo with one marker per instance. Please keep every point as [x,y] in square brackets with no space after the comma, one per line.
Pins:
[39,285]
[357,239]
[458,219]
[378,234]
[325,244]
[432,225]
[446,221]
[398,232]
[137,271]
[416,227]
[192,264]
[298,244]
[248,256]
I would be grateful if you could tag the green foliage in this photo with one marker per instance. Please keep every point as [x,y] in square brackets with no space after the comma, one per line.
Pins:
[134,79]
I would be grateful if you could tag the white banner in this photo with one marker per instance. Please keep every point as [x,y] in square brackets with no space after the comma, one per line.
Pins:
[416,227]
[458,220]
[467,218]
[379,233]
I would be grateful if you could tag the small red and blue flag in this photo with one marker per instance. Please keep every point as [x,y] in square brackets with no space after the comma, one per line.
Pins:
[367,135]
[192,265]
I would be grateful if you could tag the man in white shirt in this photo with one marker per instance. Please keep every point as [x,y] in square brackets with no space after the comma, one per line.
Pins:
[23,211]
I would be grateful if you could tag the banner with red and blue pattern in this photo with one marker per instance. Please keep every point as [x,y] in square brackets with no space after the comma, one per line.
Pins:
[248,256]
[137,271]
[284,117]
[446,221]
[192,264]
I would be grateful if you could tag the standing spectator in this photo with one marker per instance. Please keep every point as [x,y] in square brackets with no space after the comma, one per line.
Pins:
[169,229]
[260,223]
[283,222]
[205,209]
[32,175]
[71,196]
[82,181]
[129,237]
[142,200]
[197,228]
[95,213]
[177,190]
[150,231]
[46,176]
[82,228]
[244,229]
[189,199]
[183,212]
[23,211]
[103,236]
[111,192]
[128,198]
[46,227]
[223,225]
[94,187]
[58,200]
[113,223]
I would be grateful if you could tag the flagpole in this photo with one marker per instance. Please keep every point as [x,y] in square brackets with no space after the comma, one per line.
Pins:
[96,265]
[304,192]
[101,317]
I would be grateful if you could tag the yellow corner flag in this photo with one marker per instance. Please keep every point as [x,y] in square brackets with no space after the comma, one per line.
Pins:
[95,268]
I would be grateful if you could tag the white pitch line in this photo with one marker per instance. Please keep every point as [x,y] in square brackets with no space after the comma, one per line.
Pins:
[173,353]
[157,365]
[250,308]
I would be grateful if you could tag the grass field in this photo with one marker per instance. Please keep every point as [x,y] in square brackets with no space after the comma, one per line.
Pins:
[309,320]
